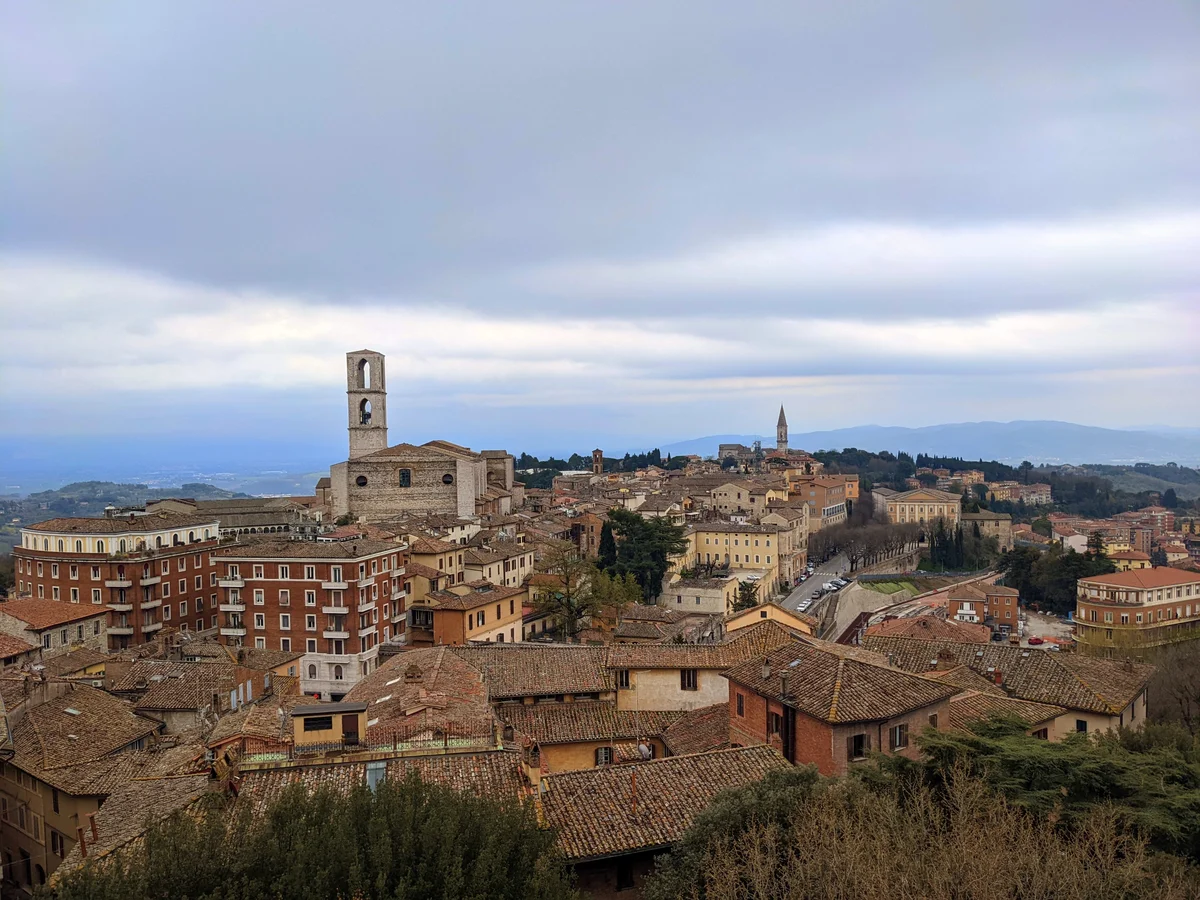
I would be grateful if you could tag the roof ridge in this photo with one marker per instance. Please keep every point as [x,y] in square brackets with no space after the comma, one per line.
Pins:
[837,690]
[1095,693]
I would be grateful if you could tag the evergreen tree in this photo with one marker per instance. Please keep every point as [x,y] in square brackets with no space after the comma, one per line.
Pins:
[747,596]
[608,547]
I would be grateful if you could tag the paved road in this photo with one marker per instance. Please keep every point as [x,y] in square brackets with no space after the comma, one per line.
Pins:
[823,573]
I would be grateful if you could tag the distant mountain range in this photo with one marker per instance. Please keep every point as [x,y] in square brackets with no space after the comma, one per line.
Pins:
[1039,442]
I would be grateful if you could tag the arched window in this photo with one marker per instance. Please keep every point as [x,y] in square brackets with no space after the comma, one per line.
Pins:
[141,544]
[337,673]
[61,546]
[191,537]
[406,478]
[99,546]
[364,374]
[364,412]
[312,671]
[207,533]
[158,541]
[122,545]
[79,546]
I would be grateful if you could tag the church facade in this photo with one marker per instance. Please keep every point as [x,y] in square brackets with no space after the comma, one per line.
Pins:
[379,481]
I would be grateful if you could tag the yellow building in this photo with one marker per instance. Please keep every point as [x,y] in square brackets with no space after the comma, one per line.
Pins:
[742,547]
[1127,560]
[771,612]
[924,505]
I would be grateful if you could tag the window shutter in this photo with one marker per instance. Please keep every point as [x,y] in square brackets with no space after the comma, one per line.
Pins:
[850,748]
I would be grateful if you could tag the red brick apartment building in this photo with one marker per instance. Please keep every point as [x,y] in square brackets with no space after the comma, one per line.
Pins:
[147,570]
[334,600]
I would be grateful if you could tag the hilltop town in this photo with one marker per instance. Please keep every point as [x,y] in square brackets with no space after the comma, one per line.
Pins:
[647,632]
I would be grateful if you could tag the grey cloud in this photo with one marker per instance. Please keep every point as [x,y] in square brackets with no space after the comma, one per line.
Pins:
[421,148]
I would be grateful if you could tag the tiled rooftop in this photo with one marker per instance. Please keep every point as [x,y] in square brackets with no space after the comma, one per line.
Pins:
[587,720]
[334,550]
[1060,679]
[976,706]
[613,810]
[699,730]
[930,627]
[837,684]
[121,525]
[39,614]
[531,670]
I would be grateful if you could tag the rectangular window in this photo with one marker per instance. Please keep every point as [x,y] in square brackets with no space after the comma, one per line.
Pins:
[260,620]
[336,574]
[604,756]
[285,572]
[774,723]
[311,645]
[56,595]
[285,622]
[74,595]
[258,571]
[259,598]
[260,643]
[285,644]
[622,679]
[167,613]
[310,598]
[95,573]
[741,705]
[96,596]
[199,582]
[318,723]
[166,586]
[310,573]
[688,680]
[75,572]
[54,570]
[899,735]
[182,608]
[857,746]
[310,623]
[1081,726]
[285,598]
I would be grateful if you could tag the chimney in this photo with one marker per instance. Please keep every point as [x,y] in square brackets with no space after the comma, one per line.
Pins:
[766,671]
[783,685]
[82,842]
[998,677]
[95,830]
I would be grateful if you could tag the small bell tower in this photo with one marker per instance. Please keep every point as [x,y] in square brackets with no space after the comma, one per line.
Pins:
[366,402]
[781,432]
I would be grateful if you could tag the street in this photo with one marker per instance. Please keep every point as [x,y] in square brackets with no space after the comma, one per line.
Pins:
[828,569]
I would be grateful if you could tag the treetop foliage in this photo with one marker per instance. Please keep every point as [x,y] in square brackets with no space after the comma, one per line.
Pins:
[406,841]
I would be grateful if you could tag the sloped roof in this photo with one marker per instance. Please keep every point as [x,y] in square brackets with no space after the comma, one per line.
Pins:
[1061,679]
[493,773]
[121,525]
[1143,579]
[40,614]
[976,706]
[532,670]
[597,813]
[838,684]
[588,720]
[930,627]
[699,730]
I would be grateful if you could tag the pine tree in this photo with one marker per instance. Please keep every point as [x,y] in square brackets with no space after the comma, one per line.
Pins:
[608,547]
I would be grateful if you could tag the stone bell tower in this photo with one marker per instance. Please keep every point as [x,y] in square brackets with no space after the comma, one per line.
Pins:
[366,402]
[781,432]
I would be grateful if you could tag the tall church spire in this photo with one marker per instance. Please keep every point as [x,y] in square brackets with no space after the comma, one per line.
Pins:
[781,440]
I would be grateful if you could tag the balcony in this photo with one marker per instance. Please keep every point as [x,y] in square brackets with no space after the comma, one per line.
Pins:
[335,586]
[229,632]
[400,594]
[232,581]
[149,580]
[151,604]
[366,606]
[120,629]
[232,607]
[118,583]
[121,607]
[335,635]
[367,581]
[370,629]
[152,627]
[336,610]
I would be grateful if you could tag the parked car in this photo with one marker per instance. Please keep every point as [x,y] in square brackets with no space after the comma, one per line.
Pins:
[827,586]
[1035,641]
[997,636]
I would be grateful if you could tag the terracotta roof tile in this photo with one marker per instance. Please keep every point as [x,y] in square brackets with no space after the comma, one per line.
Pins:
[836,684]
[588,720]
[1060,679]
[699,731]
[976,706]
[1157,577]
[596,814]
[495,774]
[121,525]
[39,614]
[14,646]
[307,549]
[533,670]
[930,627]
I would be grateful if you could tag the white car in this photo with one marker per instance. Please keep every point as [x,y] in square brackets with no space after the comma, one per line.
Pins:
[828,586]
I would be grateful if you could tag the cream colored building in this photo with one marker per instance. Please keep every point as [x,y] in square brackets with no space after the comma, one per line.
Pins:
[924,505]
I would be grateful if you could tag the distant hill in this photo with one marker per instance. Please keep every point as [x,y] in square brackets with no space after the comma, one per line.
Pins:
[1038,442]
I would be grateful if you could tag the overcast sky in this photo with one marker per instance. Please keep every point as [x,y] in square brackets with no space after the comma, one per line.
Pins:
[577,224]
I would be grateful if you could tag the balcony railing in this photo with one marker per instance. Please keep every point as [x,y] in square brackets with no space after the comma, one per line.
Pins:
[335,635]
[118,583]
[239,631]
[121,607]
[120,629]
[152,627]
[231,581]
[238,607]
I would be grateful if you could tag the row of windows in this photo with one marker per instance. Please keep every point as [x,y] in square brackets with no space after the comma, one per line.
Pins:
[123,545]
[717,541]
[479,618]
[1181,612]
[283,571]
[404,476]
